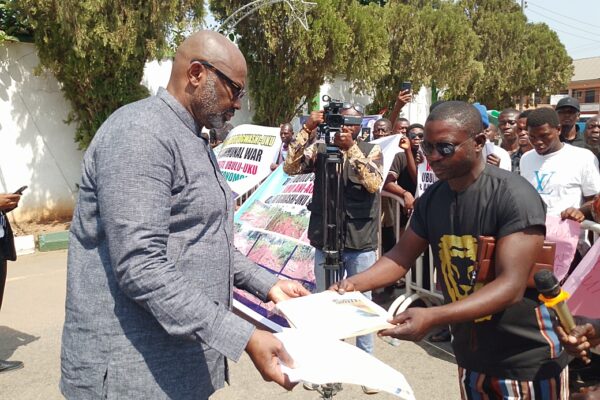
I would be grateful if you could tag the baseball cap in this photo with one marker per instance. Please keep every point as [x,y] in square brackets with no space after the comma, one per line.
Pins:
[484,116]
[568,102]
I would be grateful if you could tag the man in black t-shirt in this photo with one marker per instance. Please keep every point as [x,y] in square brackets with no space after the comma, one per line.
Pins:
[501,334]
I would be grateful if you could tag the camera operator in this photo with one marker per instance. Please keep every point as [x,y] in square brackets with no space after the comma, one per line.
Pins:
[361,180]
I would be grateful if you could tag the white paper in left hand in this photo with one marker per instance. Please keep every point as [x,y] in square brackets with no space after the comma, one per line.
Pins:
[322,360]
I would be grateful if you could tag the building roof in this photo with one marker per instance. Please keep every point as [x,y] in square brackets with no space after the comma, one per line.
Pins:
[586,69]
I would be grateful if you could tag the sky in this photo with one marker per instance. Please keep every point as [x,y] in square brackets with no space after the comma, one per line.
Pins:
[577,23]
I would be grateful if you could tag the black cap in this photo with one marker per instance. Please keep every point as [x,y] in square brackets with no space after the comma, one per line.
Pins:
[568,102]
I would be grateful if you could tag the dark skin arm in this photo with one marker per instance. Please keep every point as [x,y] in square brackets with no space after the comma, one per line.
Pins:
[515,256]
[411,163]
[582,213]
[403,98]
[585,335]
[391,186]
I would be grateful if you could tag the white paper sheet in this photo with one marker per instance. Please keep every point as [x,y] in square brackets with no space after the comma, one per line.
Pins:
[324,360]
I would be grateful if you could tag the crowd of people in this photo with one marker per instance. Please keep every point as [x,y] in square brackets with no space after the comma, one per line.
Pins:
[152,265]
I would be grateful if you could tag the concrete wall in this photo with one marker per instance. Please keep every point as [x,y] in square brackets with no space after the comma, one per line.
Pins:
[36,147]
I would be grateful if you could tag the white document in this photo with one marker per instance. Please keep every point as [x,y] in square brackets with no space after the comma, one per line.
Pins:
[321,360]
[335,315]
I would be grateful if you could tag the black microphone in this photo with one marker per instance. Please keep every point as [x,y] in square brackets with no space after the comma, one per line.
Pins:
[552,295]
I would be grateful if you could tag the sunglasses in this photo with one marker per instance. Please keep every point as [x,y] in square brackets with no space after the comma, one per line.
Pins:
[357,107]
[444,149]
[237,90]
[415,135]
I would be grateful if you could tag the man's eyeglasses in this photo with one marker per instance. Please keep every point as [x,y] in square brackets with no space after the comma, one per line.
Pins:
[444,149]
[237,90]
[357,107]
[414,135]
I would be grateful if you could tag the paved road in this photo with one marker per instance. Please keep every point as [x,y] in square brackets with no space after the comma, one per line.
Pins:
[33,313]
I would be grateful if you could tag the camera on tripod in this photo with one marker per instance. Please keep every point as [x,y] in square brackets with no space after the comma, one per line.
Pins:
[334,120]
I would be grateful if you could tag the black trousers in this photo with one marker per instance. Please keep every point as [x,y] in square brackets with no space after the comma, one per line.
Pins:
[2,279]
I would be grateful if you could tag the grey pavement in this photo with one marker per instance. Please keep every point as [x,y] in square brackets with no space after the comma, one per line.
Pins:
[31,323]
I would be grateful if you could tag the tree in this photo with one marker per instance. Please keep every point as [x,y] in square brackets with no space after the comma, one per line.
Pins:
[287,64]
[13,25]
[429,41]
[97,49]
[545,65]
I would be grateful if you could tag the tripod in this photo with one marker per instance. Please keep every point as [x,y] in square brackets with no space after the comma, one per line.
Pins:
[333,230]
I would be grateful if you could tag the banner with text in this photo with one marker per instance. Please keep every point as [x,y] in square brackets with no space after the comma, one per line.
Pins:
[246,155]
[271,230]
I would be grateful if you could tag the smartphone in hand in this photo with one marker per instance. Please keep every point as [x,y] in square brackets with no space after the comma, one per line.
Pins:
[20,190]
[405,86]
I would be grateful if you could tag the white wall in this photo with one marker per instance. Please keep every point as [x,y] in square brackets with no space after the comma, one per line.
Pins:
[36,147]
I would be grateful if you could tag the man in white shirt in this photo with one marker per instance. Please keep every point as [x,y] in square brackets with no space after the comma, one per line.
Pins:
[565,176]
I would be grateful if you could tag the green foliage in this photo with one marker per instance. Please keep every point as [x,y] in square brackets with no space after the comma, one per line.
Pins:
[517,58]
[13,25]
[288,64]
[428,41]
[97,49]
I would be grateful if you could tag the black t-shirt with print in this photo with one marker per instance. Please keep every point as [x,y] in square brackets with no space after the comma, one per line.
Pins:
[517,343]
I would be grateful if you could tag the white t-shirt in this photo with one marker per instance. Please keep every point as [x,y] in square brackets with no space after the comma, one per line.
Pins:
[562,178]
[425,177]
[502,154]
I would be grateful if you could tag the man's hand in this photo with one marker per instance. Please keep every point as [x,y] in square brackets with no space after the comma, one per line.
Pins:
[493,160]
[9,202]
[419,158]
[266,351]
[404,143]
[286,289]
[573,213]
[409,202]
[581,338]
[412,324]
[343,286]
[315,118]
[404,97]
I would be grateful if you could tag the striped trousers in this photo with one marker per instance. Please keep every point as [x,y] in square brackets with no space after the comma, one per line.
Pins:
[478,386]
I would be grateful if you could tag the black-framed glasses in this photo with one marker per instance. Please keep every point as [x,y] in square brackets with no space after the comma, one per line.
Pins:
[236,89]
[414,135]
[443,148]
[357,107]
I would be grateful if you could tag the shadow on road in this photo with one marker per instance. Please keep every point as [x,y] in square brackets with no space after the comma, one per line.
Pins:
[11,340]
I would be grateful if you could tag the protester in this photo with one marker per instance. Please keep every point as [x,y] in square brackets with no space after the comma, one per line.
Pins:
[522,141]
[565,176]
[568,115]
[8,202]
[401,126]
[492,154]
[507,123]
[502,335]
[382,128]
[151,262]
[592,135]
[491,132]
[286,133]
[361,180]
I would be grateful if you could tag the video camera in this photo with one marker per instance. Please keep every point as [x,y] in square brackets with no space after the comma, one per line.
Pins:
[334,120]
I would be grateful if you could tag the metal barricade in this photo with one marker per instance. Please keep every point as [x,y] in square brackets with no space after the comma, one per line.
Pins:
[415,289]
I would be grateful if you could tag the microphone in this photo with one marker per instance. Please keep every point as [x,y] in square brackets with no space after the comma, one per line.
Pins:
[552,295]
